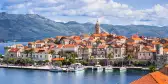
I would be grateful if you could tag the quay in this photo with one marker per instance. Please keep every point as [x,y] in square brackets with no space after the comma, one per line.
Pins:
[47,68]
[143,68]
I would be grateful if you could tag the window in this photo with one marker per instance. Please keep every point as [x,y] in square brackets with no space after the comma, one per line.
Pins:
[149,54]
[115,50]
[41,56]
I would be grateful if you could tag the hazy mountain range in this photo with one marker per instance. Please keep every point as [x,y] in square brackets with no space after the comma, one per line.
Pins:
[30,27]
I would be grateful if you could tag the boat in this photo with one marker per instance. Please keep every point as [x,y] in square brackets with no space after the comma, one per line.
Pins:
[109,68]
[123,69]
[98,68]
[75,67]
[56,69]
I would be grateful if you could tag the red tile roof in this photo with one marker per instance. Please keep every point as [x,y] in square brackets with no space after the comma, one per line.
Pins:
[152,78]
[14,50]
[58,59]
[69,46]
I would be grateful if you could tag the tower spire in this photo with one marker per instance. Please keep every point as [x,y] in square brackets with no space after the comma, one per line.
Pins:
[97,27]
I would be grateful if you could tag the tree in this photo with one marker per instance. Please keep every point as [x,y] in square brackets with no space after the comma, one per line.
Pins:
[61,53]
[52,52]
[56,41]
[110,56]
[46,61]
[57,63]
[11,60]
[72,59]
[129,58]
[98,42]
[28,61]
[27,52]
[1,56]
[31,51]
[152,68]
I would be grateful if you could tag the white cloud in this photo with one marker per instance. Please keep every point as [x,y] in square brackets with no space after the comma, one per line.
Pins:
[113,12]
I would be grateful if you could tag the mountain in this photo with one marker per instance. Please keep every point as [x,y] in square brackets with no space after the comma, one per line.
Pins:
[29,27]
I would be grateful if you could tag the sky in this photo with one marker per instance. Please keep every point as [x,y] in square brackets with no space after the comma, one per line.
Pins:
[115,12]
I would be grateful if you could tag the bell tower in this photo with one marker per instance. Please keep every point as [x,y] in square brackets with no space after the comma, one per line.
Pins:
[97,27]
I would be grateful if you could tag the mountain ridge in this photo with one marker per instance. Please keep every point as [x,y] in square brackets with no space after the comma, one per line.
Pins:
[29,27]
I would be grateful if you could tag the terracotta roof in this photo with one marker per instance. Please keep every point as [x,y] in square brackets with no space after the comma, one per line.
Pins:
[104,34]
[156,43]
[69,46]
[30,42]
[152,50]
[102,41]
[59,36]
[14,50]
[91,38]
[165,50]
[85,35]
[96,35]
[59,46]
[19,45]
[152,78]
[135,36]
[39,41]
[121,37]
[130,43]
[102,46]
[137,39]
[76,38]
[58,59]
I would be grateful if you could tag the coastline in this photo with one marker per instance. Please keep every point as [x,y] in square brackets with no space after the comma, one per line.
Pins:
[47,68]
[44,68]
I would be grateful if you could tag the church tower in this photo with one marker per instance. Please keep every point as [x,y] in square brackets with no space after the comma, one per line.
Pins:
[97,28]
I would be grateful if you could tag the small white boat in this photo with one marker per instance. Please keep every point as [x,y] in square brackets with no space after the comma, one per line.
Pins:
[56,69]
[76,67]
[123,69]
[109,68]
[98,68]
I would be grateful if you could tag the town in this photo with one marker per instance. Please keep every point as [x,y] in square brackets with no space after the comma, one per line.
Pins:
[100,47]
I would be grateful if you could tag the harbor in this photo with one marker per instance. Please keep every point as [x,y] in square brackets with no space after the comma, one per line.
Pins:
[48,68]
[29,76]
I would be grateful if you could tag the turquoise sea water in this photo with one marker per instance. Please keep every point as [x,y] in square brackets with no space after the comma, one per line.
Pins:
[20,76]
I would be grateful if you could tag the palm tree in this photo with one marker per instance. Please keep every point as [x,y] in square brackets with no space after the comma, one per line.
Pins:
[52,52]
[110,56]
[31,52]
[72,59]
[129,58]
[27,52]
[61,53]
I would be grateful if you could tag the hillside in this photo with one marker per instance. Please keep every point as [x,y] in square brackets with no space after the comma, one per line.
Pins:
[31,27]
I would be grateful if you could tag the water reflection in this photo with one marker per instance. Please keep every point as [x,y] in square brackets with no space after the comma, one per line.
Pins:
[122,77]
[86,77]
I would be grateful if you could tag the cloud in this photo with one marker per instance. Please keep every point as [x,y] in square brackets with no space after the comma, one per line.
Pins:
[112,12]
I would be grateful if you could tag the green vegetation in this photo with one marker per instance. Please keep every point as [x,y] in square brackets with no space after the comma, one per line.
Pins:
[129,59]
[57,63]
[152,68]
[1,56]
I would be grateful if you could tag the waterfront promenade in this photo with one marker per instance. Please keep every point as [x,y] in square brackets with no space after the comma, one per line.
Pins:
[47,68]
